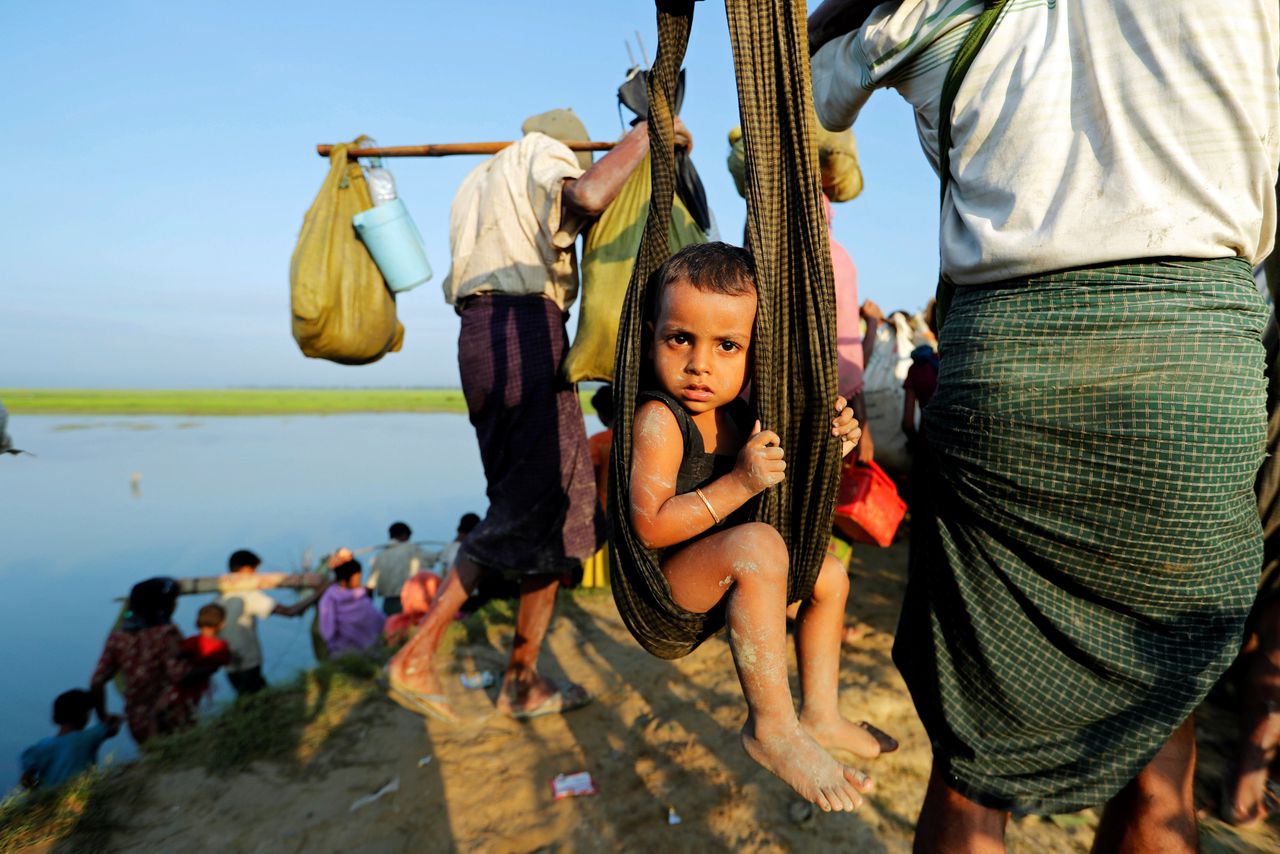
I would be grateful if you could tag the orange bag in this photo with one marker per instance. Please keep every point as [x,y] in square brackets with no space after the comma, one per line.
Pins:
[868,508]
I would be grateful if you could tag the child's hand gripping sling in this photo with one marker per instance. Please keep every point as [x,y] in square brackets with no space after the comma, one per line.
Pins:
[794,344]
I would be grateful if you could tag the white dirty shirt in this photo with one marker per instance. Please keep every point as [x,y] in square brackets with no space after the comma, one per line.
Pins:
[447,558]
[507,234]
[393,566]
[244,608]
[1085,132]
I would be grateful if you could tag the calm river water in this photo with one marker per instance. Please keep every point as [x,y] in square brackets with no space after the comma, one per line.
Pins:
[74,534]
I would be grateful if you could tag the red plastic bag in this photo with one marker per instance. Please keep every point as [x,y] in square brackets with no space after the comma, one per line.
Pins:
[868,508]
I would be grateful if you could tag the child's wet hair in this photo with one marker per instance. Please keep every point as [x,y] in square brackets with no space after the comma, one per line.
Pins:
[72,708]
[715,267]
[210,616]
[243,559]
[344,572]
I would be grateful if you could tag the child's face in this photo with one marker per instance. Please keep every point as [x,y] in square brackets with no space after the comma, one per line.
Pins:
[212,631]
[701,345]
[353,582]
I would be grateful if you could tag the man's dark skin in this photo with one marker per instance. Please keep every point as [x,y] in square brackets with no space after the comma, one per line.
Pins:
[523,688]
[1155,812]
[1245,796]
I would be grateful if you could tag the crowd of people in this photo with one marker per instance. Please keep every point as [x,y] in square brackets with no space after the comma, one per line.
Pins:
[1086,414]
[165,678]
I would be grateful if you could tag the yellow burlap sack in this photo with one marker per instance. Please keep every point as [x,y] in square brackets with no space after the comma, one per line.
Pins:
[837,159]
[608,255]
[342,309]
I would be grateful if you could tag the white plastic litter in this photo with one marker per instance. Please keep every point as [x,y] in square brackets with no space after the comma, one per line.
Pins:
[393,786]
[573,785]
[483,679]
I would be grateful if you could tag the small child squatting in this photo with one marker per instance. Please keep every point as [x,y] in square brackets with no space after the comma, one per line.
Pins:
[700,344]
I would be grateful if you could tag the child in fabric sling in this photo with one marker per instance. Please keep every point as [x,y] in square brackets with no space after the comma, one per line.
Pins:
[700,458]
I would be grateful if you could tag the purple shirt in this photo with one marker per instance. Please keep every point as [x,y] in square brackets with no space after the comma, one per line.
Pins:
[348,620]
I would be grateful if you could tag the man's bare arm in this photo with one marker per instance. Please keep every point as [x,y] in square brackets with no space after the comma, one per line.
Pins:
[588,196]
[297,609]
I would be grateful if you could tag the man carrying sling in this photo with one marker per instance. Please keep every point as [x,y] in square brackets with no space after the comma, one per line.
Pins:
[1083,575]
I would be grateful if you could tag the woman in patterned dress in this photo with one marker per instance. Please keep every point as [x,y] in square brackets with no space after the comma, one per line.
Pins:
[146,652]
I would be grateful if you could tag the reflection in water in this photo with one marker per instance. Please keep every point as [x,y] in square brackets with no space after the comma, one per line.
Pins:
[73,542]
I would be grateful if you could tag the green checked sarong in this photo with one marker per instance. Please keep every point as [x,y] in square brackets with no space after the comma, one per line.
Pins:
[1089,546]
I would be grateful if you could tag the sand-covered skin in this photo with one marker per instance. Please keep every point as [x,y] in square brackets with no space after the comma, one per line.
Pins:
[659,735]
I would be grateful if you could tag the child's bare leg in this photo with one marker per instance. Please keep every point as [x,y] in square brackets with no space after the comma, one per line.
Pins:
[819,629]
[748,564]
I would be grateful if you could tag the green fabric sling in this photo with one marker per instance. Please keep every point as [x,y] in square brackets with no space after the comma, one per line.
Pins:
[794,348]
[964,57]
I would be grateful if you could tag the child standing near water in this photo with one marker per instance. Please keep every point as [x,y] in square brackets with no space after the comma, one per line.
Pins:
[700,458]
[205,651]
[55,760]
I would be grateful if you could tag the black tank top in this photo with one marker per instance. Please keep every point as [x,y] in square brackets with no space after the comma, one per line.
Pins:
[697,467]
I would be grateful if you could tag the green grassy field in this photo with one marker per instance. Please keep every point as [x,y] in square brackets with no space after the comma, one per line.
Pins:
[290,401]
[286,401]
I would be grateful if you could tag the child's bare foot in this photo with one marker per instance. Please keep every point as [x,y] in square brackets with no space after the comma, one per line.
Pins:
[835,732]
[800,762]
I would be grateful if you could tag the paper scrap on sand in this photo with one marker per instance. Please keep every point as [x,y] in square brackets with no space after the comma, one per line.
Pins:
[573,785]
[393,786]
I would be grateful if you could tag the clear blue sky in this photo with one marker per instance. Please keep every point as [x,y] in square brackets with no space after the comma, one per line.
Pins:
[163,160]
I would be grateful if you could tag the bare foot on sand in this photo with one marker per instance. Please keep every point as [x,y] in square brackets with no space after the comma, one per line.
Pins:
[1249,798]
[801,763]
[416,676]
[419,690]
[523,692]
[836,732]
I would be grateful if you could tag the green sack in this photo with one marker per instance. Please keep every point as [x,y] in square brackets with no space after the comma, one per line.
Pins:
[837,161]
[342,309]
[608,254]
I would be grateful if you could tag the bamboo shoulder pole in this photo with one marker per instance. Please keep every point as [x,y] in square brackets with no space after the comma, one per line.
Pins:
[250,581]
[447,149]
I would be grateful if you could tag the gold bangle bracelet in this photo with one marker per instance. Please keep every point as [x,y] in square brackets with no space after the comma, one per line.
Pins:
[710,509]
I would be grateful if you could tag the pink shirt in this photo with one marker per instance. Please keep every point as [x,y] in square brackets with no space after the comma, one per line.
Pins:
[848,322]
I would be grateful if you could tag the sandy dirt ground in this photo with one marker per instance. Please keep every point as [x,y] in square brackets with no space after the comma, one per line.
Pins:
[661,737]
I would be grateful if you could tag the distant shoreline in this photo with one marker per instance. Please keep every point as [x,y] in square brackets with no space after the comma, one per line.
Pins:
[236,401]
[229,402]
